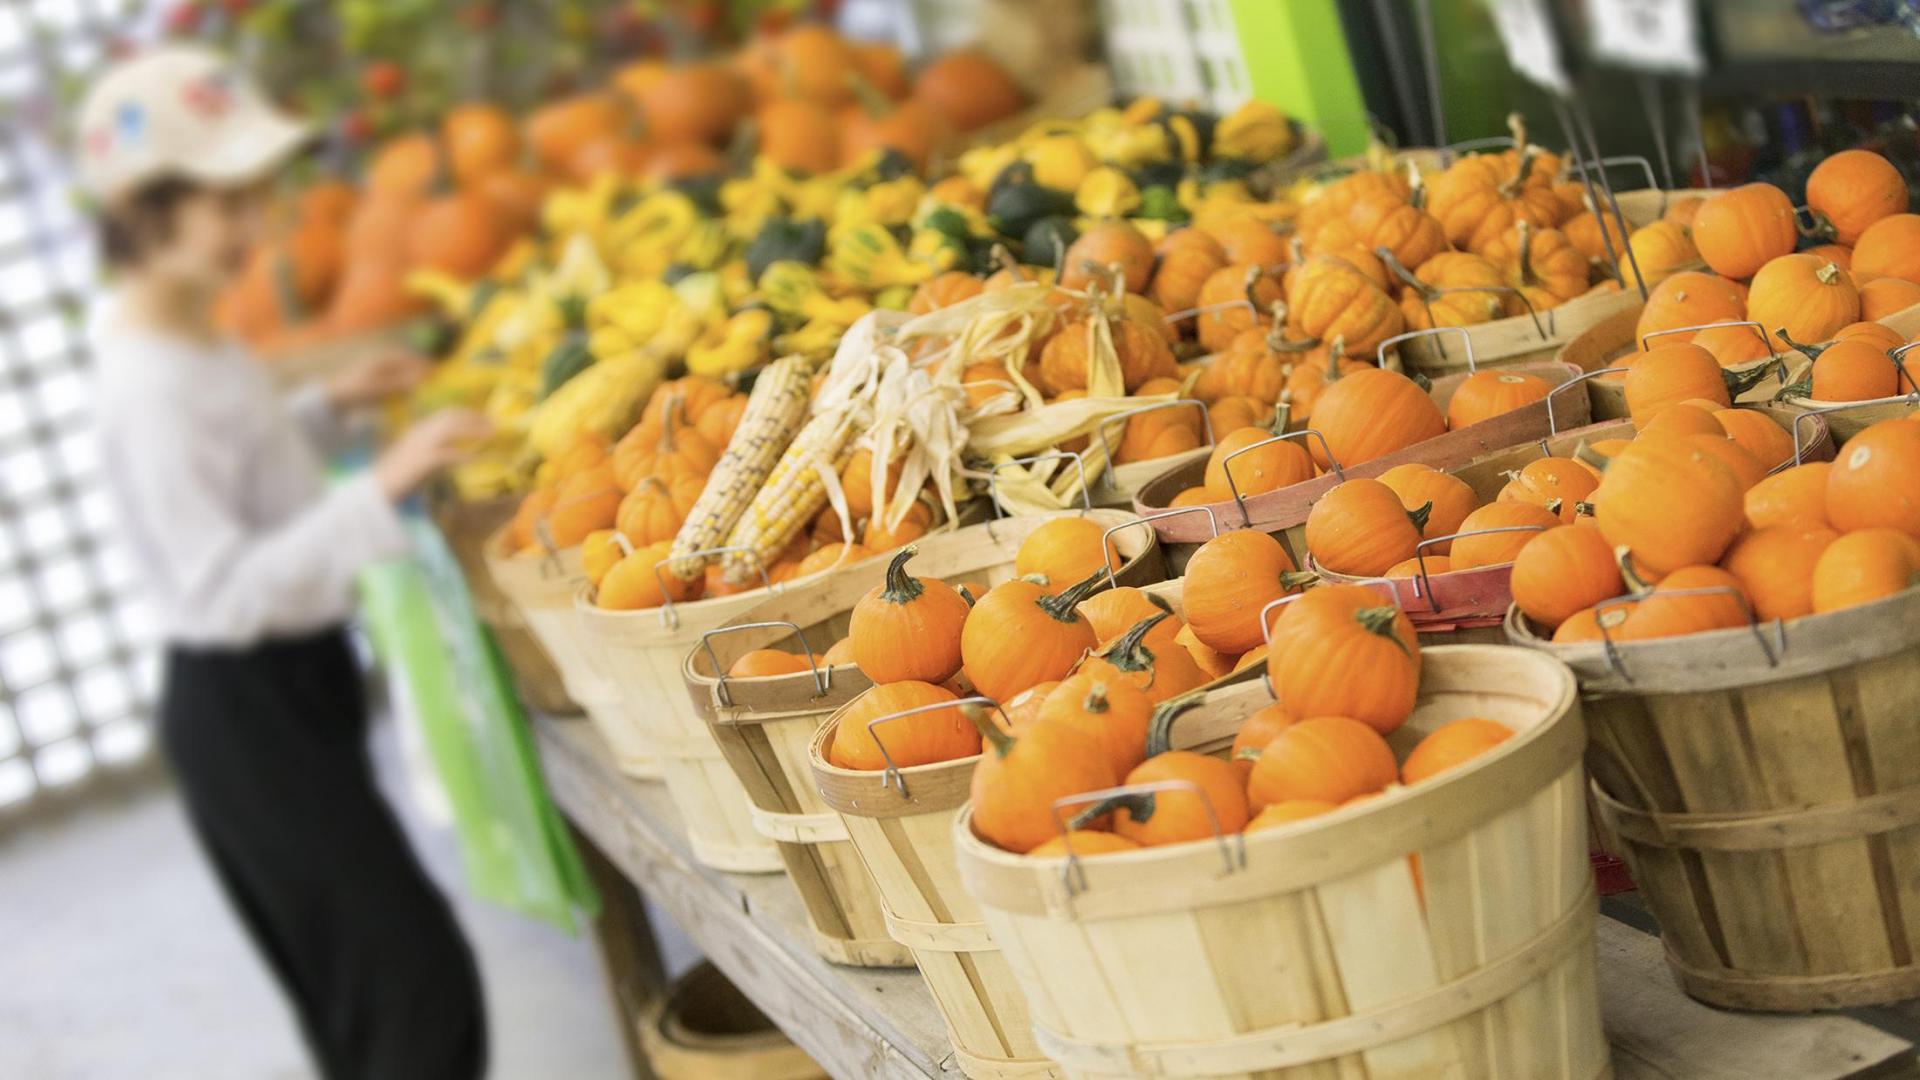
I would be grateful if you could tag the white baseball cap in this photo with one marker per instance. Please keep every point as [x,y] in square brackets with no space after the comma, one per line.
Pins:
[181,111]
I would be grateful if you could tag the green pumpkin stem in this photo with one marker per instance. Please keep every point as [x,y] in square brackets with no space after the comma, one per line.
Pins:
[1739,382]
[1096,700]
[1420,515]
[1399,270]
[967,595]
[1061,607]
[1380,620]
[1292,580]
[1623,557]
[1160,728]
[1138,806]
[902,587]
[1811,352]
[1129,651]
[990,732]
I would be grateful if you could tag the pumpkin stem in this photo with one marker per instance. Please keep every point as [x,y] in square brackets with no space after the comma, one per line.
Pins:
[1001,742]
[1399,269]
[1129,651]
[1739,382]
[902,587]
[1811,352]
[1416,187]
[1380,620]
[1336,352]
[1827,274]
[868,96]
[1527,275]
[1061,607]
[1583,509]
[1247,753]
[668,410]
[1293,580]
[1554,505]
[1159,602]
[1420,515]
[1160,728]
[1139,806]
[1623,557]
[1819,227]
[1096,700]
[967,595]
[1512,187]
[1003,258]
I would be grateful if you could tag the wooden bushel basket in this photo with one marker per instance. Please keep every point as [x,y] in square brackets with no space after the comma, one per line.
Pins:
[1284,511]
[1321,949]
[1764,784]
[763,725]
[467,527]
[1520,339]
[1470,606]
[904,835]
[541,589]
[704,1028]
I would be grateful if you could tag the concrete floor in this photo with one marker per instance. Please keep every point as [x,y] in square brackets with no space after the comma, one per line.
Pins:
[123,961]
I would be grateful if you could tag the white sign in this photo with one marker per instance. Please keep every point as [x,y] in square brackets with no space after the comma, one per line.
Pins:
[1657,35]
[1527,32]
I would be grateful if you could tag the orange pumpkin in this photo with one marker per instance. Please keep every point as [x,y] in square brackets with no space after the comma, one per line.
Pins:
[1690,600]
[1669,502]
[1408,233]
[1020,778]
[1854,370]
[1794,497]
[1494,548]
[1202,796]
[800,135]
[1082,844]
[908,628]
[1160,674]
[1019,634]
[1890,247]
[1329,298]
[1228,581]
[1182,270]
[1114,713]
[1775,566]
[1065,550]
[1671,373]
[1370,414]
[1864,566]
[1690,298]
[1113,612]
[1454,288]
[1448,499]
[635,582]
[1740,230]
[1288,812]
[812,63]
[1481,196]
[692,102]
[1337,651]
[943,290]
[920,739]
[656,508]
[1884,296]
[1871,481]
[405,167]
[1360,529]
[1563,570]
[1662,249]
[969,90]
[1560,486]
[1234,298]
[1249,241]
[1487,394]
[481,139]
[1802,297]
[1108,244]
[1851,190]
[1254,471]
[458,234]
[1325,758]
[557,132]
[764,663]
[1451,745]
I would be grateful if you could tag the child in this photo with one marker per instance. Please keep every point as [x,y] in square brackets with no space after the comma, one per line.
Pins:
[251,561]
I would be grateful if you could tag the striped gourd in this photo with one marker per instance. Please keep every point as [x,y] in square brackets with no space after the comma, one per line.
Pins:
[794,493]
[776,409]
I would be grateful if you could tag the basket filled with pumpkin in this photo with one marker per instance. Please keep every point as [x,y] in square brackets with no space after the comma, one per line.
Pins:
[1406,823]
[1747,663]
[1499,243]
[1358,421]
[872,622]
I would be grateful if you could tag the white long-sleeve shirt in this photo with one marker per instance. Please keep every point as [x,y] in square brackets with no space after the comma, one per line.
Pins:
[220,492]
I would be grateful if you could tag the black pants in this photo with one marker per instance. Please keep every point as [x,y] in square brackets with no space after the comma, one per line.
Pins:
[269,744]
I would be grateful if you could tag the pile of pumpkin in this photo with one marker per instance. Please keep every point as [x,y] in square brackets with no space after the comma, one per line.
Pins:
[1689,529]
[449,202]
[1865,270]
[1090,685]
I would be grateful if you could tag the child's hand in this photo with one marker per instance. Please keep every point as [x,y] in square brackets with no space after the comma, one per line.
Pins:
[374,378]
[445,438]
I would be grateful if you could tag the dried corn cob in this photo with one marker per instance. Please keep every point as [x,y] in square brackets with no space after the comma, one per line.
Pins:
[775,411]
[794,493]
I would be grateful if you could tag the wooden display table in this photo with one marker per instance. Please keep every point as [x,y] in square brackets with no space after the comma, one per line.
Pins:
[860,1022]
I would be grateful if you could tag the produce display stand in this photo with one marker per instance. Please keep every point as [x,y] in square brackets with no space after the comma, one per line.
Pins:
[863,1022]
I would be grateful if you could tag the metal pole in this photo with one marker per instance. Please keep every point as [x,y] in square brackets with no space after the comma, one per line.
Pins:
[1585,121]
[1593,194]
[1690,104]
[1657,118]
[1430,49]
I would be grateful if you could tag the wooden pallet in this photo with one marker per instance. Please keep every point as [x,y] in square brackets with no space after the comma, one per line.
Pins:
[877,1023]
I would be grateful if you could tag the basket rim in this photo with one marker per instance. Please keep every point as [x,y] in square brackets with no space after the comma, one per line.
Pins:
[1300,854]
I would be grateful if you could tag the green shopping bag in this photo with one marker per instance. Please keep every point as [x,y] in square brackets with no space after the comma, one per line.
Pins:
[513,845]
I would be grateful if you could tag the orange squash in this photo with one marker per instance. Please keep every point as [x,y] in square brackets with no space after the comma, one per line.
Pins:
[1854,370]
[1065,550]
[1494,548]
[1108,244]
[765,663]
[1228,580]
[1019,634]
[1802,297]
[1561,486]
[1200,796]
[1775,566]
[1740,230]
[1563,570]
[1890,247]
[1796,496]
[1670,503]
[1690,298]
[1234,297]
[1161,674]
[969,90]
[1448,499]
[1337,651]
[1369,414]
[800,135]
[1851,190]
[1864,566]
[1884,296]
[1487,394]
[1452,745]
[1254,471]
[1020,778]
[920,739]
[1360,529]
[1871,482]
[1325,758]
[908,628]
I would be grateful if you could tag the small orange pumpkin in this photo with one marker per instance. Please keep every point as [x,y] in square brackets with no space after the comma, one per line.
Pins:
[1065,550]
[1228,580]
[1851,190]
[1490,393]
[1495,548]
[1325,758]
[1871,468]
[1337,651]
[1451,745]
[1360,529]
[908,628]
[1864,566]
[1740,230]
[1561,571]
[920,739]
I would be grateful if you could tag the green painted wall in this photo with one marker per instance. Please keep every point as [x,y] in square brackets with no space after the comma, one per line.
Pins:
[1296,55]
